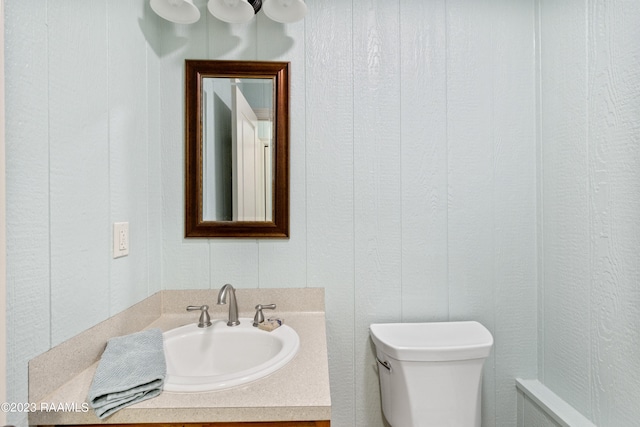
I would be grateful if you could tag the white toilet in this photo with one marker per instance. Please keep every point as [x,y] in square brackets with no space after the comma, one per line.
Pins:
[431,373]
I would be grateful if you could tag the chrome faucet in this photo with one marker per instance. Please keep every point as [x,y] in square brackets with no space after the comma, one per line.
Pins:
[233,304]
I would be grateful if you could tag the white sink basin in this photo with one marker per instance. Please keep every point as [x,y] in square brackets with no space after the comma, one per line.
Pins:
[219,357]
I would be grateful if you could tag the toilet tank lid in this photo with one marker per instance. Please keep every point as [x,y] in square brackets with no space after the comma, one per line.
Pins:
[432,341]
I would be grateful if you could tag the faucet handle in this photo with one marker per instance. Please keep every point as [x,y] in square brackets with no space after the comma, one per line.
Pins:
[259,317]
[205,319]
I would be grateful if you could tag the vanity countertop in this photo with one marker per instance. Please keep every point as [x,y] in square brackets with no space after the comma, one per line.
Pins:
[298,391]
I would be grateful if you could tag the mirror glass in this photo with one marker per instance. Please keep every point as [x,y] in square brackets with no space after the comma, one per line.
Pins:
[237,152]
[237,149]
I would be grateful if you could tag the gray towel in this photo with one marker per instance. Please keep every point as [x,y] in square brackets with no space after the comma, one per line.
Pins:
[131,369]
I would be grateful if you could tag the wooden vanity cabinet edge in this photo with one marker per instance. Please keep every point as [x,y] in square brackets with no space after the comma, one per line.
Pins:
[240,424]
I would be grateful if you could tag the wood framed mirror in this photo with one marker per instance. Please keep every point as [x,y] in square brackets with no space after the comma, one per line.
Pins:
[237,149]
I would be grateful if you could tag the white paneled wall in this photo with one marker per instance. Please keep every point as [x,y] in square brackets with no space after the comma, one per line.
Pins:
[413,178]
[27,196]
[422,135]
[28,213]
[3,234]
[377,187]
[589,174]
[79,189]
[82,145]
[329,196]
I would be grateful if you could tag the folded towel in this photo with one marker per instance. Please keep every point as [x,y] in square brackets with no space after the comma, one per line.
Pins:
[131,369]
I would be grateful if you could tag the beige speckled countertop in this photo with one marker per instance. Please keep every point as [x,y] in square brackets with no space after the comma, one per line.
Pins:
[298,391]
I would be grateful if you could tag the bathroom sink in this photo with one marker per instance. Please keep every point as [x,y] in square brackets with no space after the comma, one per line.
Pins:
[220,357]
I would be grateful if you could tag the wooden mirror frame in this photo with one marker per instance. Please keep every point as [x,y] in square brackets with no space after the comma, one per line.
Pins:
[195,226]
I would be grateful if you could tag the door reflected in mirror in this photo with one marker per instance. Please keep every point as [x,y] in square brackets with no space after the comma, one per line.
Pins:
[237,128]
[237,149]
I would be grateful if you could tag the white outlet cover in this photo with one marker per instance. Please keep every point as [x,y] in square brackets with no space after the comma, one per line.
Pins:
[120,239]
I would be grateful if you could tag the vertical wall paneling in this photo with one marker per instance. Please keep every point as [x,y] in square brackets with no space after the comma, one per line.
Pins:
[566,207]
[401,164]
[65,174]
[79,174]
[603,113]
[423,135]
[149,24]
[514,201]
[329,203]
[27,180]
[185,263]
[470,130]
[590,105]
[377,187]
[236,262]
[614,203]
[412,180]
[128,149]
[283,263]
[520,408]
[3,233]
[539,192]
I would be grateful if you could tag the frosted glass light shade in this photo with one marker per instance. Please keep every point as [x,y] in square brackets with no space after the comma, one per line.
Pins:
[285,11]
[234,11]
[178,11]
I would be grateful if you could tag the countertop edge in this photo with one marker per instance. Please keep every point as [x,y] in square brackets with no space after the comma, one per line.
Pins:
[185,415]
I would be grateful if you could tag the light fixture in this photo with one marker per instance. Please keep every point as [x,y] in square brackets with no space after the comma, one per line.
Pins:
[285,11]
[231,11]
[178,11]
[234,11]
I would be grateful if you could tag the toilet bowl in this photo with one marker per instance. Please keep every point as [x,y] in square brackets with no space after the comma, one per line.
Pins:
[431,373]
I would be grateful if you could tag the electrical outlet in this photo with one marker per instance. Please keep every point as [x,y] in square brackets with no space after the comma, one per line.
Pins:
[120,239]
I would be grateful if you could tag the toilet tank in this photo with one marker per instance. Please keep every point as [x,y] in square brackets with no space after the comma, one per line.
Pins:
[431,373]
